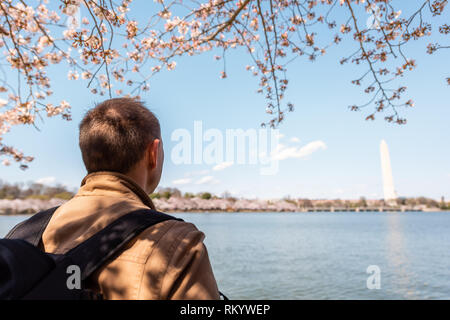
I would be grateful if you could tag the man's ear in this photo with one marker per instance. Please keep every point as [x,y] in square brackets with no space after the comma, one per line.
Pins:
[153,153]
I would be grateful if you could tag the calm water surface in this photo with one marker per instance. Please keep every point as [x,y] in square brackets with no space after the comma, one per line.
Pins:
[323,255]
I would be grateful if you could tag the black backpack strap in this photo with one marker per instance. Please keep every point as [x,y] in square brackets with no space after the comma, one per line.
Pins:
[31,230]
[102,246]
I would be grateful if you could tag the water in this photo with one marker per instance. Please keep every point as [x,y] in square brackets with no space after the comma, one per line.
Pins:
[324,255]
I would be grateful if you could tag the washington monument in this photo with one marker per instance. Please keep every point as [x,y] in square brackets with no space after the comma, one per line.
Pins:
[388,182]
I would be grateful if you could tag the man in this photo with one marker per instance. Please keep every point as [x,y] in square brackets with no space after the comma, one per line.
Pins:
[121,146]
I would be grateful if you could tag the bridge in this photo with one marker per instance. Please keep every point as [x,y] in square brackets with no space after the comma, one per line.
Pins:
[362,209]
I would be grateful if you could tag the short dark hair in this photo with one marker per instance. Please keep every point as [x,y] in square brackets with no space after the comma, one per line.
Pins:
[115,134]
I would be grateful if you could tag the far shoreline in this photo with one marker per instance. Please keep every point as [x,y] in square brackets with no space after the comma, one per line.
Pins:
[29,206]
[30,213]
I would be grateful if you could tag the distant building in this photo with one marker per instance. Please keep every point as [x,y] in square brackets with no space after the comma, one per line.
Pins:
[390,196]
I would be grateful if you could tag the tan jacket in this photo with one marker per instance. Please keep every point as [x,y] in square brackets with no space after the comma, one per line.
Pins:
[166,261]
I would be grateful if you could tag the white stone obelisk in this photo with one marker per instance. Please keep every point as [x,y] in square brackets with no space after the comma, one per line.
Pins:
[388,182]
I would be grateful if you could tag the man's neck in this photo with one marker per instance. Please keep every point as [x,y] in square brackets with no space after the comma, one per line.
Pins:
[140,177]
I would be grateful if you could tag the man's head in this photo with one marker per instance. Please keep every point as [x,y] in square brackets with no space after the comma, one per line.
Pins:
[122,135]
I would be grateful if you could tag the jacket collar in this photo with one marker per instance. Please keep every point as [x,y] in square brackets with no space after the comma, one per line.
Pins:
[109,182]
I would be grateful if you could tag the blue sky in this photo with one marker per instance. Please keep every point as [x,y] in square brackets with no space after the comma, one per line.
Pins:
[349,166]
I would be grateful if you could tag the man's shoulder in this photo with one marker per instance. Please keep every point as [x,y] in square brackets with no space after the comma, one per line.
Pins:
[165,237]
[170,230]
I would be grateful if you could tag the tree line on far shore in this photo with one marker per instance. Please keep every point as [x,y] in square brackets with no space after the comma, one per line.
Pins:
[34,190]
[167,193]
